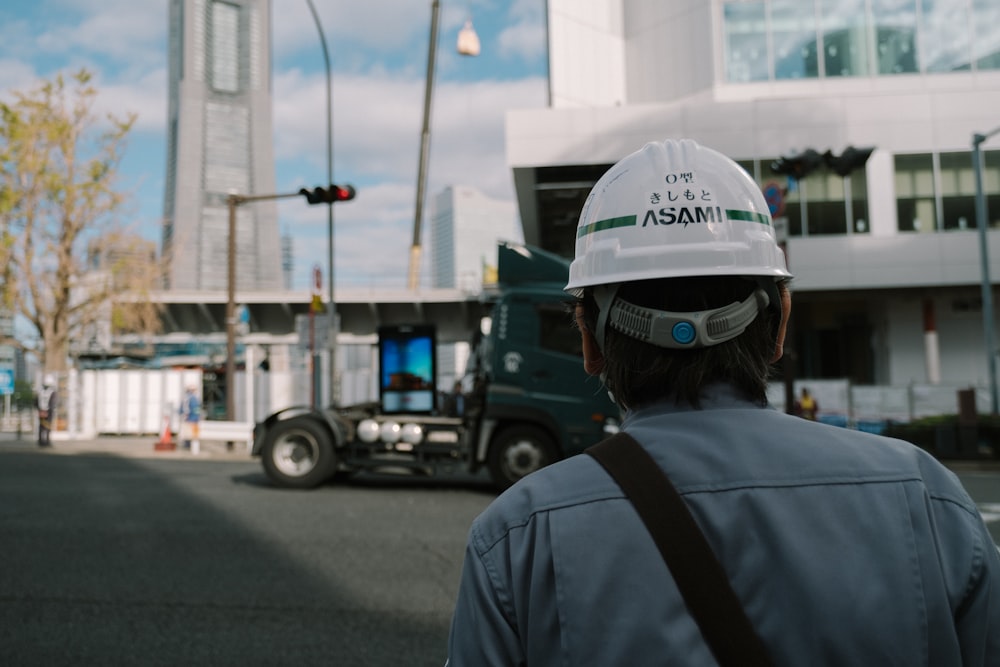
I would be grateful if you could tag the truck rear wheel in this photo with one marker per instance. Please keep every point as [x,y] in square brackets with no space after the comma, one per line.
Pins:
[298,454]
[518,451]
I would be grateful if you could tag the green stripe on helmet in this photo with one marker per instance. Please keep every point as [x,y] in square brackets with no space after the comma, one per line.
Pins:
[610,223]
[749,216]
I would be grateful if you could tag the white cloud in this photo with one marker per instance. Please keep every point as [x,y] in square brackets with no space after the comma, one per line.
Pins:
[348,26]
[525,37]
[377,122]
[379,52]
[146,97]
[377,133]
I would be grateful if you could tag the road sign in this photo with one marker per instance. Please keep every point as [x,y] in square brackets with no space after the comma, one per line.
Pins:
[774,194]
[6,381]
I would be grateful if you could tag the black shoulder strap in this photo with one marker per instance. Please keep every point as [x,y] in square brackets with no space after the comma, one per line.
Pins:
[694,567]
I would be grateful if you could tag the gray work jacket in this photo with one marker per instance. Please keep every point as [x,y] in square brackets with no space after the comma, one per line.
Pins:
[845,548]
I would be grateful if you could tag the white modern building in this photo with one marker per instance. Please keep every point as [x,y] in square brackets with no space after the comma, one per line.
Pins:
[466,225]
[887,258]
[220,142]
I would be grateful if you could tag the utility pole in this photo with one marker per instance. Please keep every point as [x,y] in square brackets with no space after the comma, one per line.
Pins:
[986,286]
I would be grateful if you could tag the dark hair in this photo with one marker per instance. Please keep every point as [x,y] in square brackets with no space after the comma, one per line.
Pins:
[636,372]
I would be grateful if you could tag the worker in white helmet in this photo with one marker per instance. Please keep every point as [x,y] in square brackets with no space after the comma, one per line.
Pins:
[841,547]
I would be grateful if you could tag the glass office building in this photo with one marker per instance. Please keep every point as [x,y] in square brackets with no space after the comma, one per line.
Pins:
[881,253]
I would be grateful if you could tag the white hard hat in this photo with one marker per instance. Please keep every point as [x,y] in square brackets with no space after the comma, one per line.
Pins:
[49,380]
[674,209]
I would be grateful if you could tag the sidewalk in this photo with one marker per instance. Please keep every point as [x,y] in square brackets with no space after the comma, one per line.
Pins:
[131,446]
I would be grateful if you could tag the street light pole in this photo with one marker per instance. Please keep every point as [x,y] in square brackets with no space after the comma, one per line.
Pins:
[425,136]
[233,201]
[468,45]
[986,287]
[331,305]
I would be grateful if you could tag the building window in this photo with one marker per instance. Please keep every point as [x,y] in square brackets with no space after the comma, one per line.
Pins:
[916,210]
[556,332]
[991,186]
[823,203]
[826,204]
[844,30]
[794,33]
[857,201]
[922,207]
[895,36]
[939,21]
[792,39]
[958,191]
[986,34]
[746,42]
[224,38]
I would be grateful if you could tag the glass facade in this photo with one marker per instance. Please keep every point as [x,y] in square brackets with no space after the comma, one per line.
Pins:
[782,39]
[845,28]
[746,41]
[225,42]
[933,192]
[822,203]
[794,38]
[916,209]
[938,192]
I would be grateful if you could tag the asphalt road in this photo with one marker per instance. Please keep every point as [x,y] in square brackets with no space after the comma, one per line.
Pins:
[116,559]
[106,560]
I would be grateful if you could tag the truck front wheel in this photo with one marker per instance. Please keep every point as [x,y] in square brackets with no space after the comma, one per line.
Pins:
[518,451]
[298,454]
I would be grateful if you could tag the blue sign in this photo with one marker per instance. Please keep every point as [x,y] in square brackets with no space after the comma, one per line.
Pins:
[6,381]
[774,195]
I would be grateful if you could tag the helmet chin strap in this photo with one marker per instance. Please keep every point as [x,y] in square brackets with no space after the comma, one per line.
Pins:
[678,331]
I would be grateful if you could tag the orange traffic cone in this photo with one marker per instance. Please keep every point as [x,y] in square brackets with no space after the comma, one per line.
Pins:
[166,441]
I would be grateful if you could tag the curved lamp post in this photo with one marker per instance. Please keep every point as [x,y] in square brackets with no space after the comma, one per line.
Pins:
[468,45]
[331,305]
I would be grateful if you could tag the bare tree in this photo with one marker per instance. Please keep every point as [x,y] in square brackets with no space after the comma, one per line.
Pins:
[66,257]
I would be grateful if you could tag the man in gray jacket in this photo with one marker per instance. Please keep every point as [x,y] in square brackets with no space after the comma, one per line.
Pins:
[843,547]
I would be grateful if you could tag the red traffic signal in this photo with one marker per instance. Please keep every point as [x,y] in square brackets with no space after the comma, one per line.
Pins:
[329,195]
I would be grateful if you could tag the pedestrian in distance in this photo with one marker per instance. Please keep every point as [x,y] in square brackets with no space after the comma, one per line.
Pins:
[190,411]
[830,546]
[46,402]
[807,407]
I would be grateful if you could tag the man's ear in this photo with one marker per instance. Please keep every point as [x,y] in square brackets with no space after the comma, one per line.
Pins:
[593,359]
[786,309]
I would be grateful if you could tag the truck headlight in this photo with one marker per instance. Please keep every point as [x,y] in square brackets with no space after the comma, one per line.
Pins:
[368,430]
[412,433]
[390,432]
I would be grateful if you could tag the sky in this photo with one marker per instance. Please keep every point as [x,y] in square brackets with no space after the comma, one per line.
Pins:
[378,52]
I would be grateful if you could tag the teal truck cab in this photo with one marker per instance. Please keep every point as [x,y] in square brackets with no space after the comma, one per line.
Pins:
[526,400]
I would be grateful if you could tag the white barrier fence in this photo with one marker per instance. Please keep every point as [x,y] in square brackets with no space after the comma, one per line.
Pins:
[866,406]
[136,402]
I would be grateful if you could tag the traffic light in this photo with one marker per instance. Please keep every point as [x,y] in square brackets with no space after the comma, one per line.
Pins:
[329,195]
[798,166]
[852,158]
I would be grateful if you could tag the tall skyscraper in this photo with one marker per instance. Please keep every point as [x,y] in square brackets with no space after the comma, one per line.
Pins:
[465,228]
[220,143]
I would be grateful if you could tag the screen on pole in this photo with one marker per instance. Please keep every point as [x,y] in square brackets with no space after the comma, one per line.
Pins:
[407,369]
